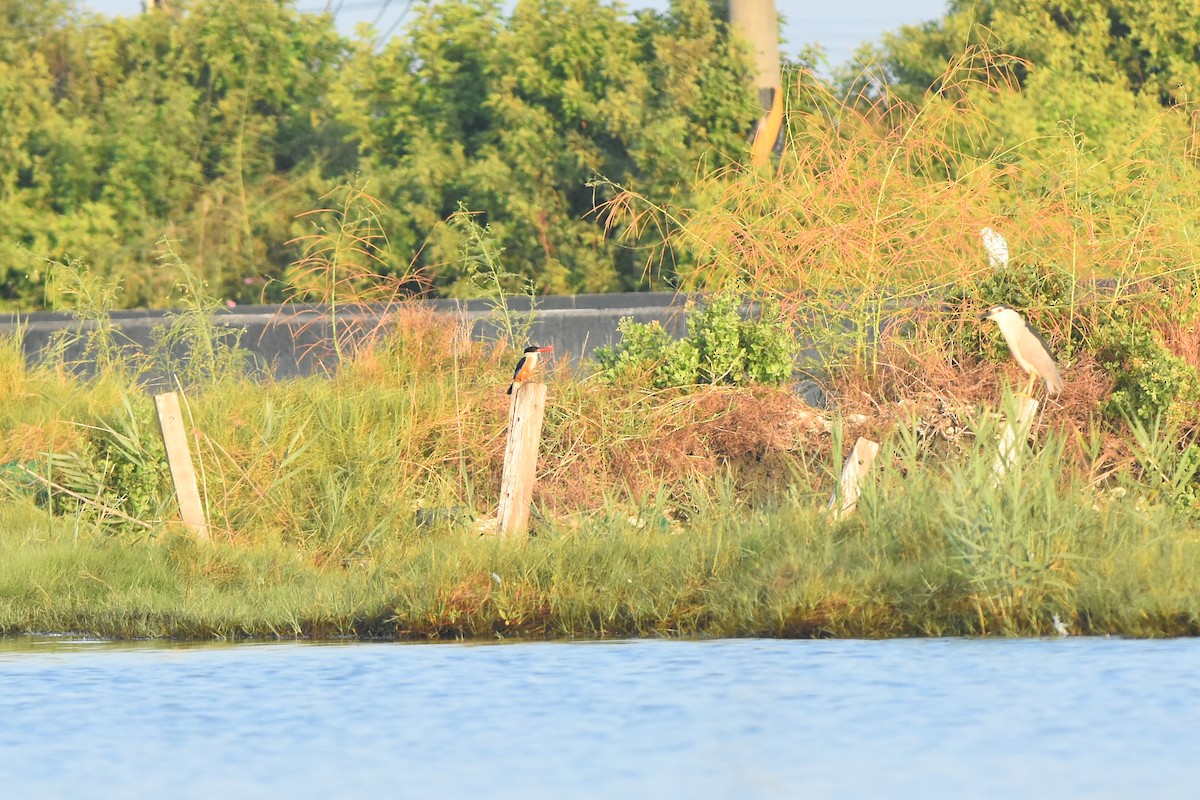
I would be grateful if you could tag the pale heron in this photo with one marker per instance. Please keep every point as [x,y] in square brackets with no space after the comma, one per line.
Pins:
[1027,347]
[996,247]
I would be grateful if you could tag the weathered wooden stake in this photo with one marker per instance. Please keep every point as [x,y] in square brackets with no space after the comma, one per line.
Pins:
[1015,432]
[520,458]
[179,459]
[854,469]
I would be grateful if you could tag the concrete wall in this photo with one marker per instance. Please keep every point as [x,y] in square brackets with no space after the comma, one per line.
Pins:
[295,340]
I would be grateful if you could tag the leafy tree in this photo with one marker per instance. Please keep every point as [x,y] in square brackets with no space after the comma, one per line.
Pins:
[515,117]
[118,130]
[1148,47]
[220,124]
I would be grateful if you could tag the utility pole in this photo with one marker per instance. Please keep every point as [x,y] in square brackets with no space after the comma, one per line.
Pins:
[757,22]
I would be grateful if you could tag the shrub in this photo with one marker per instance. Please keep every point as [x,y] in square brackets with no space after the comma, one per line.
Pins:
[648,353]
[1118,329]
[721,347]
[1151,382]
[119,465]
[1042,294]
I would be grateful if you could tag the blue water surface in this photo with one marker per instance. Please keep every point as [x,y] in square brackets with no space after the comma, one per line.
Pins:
[1075,717]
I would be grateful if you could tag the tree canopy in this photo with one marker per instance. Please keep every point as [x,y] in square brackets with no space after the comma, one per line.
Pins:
[222,125]
[218,125]
[1150,48]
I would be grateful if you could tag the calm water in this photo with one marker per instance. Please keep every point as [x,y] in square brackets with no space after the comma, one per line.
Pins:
[723,719]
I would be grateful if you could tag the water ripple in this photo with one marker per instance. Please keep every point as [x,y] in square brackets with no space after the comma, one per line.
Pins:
[741,718]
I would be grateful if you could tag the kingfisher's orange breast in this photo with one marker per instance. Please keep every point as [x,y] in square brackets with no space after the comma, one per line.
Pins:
[524,370]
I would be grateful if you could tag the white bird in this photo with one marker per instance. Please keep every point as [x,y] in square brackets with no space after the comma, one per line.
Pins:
[1059,627]
[1027,347]
[996,247]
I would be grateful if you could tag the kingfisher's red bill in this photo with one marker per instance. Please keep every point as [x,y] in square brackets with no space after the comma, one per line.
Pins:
[527,365]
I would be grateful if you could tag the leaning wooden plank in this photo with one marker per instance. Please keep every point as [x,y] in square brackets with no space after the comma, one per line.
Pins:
[854,469]
[179,459]
[520,458]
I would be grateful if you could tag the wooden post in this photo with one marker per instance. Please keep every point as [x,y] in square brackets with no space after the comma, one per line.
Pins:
[179,459]
[1015,432]
[854,469]
[520,458]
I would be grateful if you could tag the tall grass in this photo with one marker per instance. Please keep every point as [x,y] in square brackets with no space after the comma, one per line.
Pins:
[347,506]
[344,267]
[1003,559]
[876,205]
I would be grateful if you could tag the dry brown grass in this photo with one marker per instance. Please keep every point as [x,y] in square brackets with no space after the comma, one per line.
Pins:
[635,445]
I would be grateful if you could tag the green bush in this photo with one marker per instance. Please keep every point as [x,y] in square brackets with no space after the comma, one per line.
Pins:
[119,466]
[648,353]
[1029,285]
[1151,382]
[1168,461]
[1042,293]
[721,347]
[769,347]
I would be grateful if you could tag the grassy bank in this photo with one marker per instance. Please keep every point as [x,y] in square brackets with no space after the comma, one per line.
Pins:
[350,506]
[922,561]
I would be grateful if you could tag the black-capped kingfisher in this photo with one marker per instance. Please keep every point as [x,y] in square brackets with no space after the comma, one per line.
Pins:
[525,367]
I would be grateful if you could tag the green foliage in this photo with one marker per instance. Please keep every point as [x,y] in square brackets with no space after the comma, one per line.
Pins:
[210,124]
[133,462]
[1061,100]
[95,341]
[935,548]
[484,269]
[1169,464]
[1043,294]
[768,345]
[195,349]
[216,126]
[721,348]
[116,476]
[1151,382]
[715,328]
[1144,48]
[1025,286]
[514,117]
[1006,537]
[647,352]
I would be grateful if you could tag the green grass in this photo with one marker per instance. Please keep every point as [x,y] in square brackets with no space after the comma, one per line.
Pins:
[934,549]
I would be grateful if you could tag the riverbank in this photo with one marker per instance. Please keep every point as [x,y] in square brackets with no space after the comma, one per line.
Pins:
[918,565]
[355,505]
